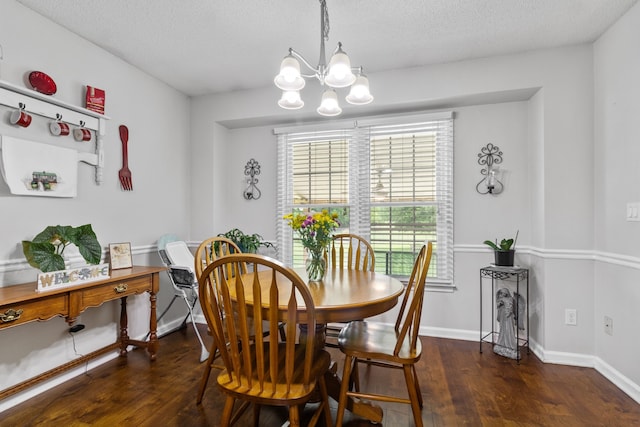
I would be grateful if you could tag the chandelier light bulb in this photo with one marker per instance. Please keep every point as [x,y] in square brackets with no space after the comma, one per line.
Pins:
[329,105]
[359,94]
[291,100]
[289,77]
[339,74]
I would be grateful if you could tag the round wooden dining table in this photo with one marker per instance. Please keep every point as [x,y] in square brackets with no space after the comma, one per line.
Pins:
[342,296]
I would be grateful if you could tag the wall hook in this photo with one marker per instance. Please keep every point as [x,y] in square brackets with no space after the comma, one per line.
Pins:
[252,169]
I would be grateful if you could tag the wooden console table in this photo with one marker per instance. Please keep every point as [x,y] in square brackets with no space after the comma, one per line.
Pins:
[22,303]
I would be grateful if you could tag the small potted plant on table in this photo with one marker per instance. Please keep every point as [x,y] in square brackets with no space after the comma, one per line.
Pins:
[46,251]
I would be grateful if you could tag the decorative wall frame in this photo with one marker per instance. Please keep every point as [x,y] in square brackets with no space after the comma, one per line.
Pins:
[120,255]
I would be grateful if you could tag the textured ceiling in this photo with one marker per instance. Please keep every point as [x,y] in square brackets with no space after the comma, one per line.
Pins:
[209,46]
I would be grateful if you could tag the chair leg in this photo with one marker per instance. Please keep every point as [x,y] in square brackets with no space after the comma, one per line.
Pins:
[227,412]
[355,376]
[294,416]
[325,401]
[344,386]
[411,388]
[207,371]
[415,378]
[283,333]
[204,353]
[256,415]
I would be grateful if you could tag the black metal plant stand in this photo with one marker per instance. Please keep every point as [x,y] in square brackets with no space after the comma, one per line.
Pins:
[496,273]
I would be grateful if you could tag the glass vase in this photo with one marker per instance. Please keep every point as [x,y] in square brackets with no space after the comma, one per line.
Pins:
[315,265]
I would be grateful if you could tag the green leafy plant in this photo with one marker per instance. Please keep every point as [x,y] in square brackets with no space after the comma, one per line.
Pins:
[248,243]
[505,244]
[45,251]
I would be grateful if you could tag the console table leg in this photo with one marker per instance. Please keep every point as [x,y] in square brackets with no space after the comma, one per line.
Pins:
[152,347]
[124,335]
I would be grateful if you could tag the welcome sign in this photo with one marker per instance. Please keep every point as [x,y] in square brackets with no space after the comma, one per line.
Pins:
[71,277]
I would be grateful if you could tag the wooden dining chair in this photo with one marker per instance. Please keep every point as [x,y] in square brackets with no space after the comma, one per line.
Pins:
[208,251]
[350,252]
[267,372]
[211,249]
[396,347]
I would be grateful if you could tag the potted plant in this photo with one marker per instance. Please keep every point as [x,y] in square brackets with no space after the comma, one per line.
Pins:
[248,243]
[45,251]
[504,252]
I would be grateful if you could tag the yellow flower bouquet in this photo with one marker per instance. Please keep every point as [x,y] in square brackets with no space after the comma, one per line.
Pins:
[315,231]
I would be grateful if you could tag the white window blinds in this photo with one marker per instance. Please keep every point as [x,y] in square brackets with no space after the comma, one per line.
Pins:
[390,178]
[411,192]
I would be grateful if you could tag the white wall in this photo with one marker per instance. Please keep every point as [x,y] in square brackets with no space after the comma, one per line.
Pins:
[617,172]
[159,157]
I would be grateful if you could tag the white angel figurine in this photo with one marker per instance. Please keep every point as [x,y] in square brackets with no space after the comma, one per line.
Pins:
[507,345]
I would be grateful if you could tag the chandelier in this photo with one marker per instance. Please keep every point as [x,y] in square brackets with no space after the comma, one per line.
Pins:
[337,74]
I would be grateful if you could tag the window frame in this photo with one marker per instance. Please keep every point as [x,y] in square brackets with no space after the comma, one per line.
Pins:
[359,202]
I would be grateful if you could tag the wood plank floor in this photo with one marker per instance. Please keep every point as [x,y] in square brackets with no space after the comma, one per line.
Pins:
[461,387]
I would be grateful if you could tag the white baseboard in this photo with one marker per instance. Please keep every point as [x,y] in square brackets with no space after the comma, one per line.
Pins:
[556,357]
[18,398]
[23,396]
[620,381]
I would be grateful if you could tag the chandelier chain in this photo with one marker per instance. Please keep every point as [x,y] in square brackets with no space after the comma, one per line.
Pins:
[325,19]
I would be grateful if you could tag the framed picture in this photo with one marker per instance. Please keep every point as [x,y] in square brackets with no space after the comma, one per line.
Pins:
[120,254]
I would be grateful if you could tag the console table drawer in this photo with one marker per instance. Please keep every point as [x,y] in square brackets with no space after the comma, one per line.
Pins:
[92,297]
[38,309]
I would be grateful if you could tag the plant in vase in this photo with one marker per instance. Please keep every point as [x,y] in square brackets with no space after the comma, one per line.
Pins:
[45,251]
[315,231]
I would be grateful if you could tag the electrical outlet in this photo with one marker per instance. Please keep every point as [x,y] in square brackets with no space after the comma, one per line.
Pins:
[76,328]
[608,325]
[633,211]
[571,316]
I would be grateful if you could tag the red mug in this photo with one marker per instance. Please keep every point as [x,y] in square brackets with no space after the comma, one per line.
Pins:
[82,134]
[59,128]
[20,118]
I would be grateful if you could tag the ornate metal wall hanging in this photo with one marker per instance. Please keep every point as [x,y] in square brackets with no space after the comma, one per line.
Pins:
[488,157]
[252,169]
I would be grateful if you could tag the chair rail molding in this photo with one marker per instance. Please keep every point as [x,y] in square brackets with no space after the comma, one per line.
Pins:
[568,254]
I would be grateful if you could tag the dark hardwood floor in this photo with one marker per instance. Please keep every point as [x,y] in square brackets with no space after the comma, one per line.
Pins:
[460,387]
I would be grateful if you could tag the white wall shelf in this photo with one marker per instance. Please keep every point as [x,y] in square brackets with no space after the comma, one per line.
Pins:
[46,106]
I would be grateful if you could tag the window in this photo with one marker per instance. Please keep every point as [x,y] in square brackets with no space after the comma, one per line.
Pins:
[391,181]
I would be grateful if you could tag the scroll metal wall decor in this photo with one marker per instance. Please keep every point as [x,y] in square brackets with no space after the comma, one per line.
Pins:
[252,169]
[488,157]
